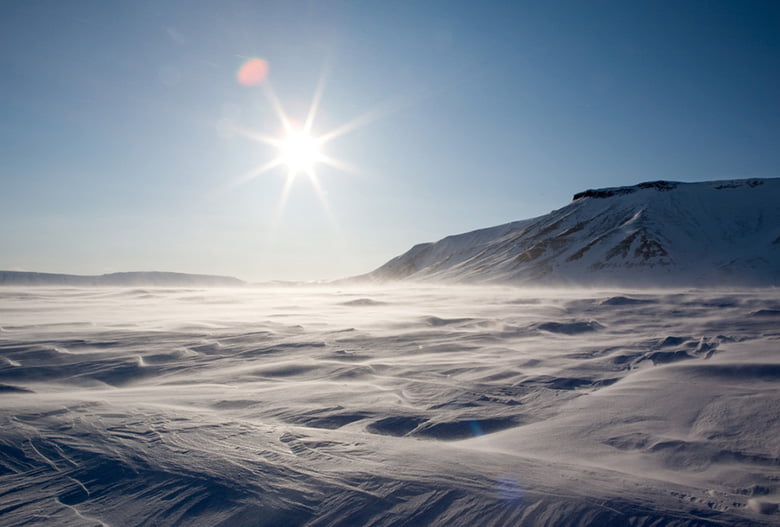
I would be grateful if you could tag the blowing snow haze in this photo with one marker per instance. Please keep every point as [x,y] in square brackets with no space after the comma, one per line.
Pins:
[399,406]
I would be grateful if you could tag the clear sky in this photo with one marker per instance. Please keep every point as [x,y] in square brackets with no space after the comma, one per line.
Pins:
[125,135]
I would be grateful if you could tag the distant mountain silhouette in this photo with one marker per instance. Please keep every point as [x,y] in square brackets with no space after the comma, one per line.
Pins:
[134,279]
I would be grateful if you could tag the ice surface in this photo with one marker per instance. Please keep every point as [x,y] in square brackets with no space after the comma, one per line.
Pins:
[411,406]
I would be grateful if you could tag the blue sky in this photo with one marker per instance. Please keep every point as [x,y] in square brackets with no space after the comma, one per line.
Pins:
[118,148]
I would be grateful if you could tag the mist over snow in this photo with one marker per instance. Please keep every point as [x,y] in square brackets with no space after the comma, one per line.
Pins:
[419,405]
[653,234]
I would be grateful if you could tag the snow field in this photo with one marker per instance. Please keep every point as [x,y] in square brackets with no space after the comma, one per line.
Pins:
[379,406]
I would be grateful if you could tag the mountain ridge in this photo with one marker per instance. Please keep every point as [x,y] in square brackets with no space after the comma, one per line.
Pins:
[121,279]
[658,233]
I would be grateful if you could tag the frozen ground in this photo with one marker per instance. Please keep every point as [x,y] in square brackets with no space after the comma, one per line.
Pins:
[415,406]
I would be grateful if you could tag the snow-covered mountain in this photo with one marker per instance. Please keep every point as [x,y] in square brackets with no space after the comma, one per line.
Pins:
[653,234]
[134,279]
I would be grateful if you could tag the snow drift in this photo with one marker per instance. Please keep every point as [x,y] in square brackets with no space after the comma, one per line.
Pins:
[652,234]
[435,406]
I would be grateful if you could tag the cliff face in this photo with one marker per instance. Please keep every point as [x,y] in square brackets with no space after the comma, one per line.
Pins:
[653,234]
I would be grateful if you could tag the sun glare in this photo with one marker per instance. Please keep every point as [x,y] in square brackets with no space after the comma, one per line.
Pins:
[299,151]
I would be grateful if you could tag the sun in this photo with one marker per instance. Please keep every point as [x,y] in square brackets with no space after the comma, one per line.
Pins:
[299,151]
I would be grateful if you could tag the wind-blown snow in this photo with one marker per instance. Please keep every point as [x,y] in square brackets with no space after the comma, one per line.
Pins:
[414,406]
[652,234]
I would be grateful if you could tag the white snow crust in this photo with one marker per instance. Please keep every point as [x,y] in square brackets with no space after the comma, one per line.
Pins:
[421,405]
[648,235]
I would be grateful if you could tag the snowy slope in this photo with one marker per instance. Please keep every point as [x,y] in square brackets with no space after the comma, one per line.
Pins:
[134,279]
[659,233]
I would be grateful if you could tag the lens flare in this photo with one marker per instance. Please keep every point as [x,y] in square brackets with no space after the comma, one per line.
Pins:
[252,72]
[476,428]
[509,490]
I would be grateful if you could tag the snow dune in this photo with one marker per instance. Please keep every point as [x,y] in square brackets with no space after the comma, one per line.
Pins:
[411,406]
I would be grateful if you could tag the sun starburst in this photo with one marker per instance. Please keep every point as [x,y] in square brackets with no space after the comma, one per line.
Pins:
[298,149]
